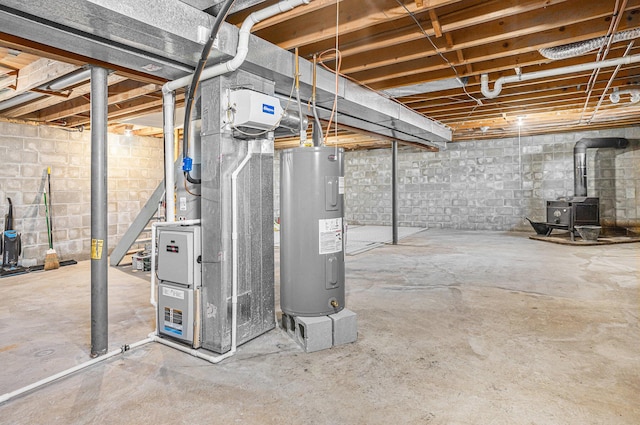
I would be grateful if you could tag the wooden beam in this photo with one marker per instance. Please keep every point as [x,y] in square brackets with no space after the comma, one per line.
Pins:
[406,31]
[41,50]
[46,102]
[493,40]
[353,17]
[128,109]
[7,82]
[118,93]
[435,23]
[312,7]
[38,73]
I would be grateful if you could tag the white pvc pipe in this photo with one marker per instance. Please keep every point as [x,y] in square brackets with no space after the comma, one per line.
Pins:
[36,385]
[168,111]
[635,95]
[195,353]
[234,247]
[169,88]
[154,226]
[243,44]
[497,88]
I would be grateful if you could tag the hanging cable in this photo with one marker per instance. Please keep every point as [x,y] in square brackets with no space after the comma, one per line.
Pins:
[335,99]
[316,134]
[338,65]
[455,71]
[194,86]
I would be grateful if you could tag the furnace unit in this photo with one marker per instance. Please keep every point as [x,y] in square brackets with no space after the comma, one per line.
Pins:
[179,275]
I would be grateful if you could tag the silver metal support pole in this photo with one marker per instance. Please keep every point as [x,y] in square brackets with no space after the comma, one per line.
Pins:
[394,191]
[99,225]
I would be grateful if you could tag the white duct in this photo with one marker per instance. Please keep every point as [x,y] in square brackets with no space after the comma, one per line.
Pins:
[582,47]
[497,88]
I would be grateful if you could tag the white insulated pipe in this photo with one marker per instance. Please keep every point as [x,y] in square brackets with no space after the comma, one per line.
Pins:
[169,88]
[497,87]
[168,118]
[8,396]
[243,44]
[195,353]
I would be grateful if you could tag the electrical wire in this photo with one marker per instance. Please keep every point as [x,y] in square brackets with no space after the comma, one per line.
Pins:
[338,64]
[196,79]
[188,191]
[337,81]
[455,71]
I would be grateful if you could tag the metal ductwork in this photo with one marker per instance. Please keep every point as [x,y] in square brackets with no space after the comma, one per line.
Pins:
[580,158]
[583,47]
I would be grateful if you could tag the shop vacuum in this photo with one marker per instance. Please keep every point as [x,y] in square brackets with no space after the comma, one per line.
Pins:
[10,246]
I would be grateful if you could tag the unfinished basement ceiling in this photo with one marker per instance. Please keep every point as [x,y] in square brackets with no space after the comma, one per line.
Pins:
[423,47]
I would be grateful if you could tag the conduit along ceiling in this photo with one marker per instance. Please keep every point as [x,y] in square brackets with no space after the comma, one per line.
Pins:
[429,55]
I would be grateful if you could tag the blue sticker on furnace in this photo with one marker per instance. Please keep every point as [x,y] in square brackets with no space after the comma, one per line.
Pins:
[268,109]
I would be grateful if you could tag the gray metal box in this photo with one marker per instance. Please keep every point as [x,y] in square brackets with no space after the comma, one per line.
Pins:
[176,311]
[178,250]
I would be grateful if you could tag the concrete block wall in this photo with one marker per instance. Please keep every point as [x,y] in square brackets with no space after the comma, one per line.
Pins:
[134,171]
[491,184]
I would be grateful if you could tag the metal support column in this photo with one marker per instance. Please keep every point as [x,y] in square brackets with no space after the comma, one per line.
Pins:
[99,228]
[394,191]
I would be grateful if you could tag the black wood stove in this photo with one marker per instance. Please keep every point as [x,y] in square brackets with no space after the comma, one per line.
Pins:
[567,213]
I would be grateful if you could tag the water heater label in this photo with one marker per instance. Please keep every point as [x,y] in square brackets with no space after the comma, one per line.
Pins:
[330,235]
[340,185]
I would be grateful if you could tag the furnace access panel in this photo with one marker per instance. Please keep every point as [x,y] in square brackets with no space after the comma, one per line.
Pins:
[178,255]
[179,273]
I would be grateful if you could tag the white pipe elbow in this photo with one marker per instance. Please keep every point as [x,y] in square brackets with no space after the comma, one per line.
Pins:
[486,91]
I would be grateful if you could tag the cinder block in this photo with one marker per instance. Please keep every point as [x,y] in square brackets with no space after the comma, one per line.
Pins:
[314,333]
[345,327]
[289,325]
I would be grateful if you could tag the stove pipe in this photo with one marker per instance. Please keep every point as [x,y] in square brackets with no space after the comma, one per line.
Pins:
[580,159]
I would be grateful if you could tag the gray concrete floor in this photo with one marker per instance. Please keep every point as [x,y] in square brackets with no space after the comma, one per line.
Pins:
[454,328]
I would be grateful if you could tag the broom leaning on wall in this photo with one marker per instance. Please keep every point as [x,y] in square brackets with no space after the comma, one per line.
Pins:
[51,261]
